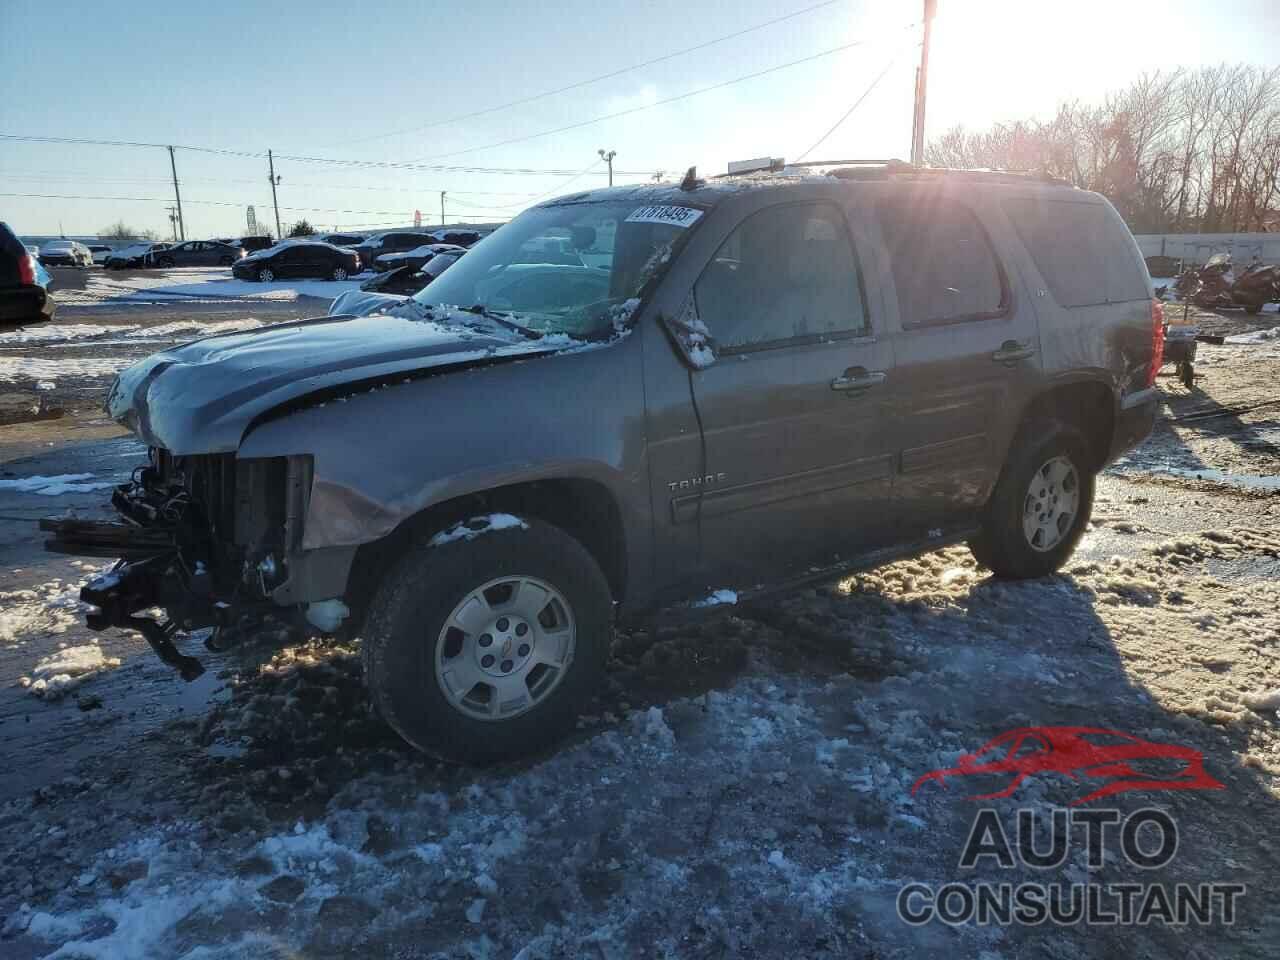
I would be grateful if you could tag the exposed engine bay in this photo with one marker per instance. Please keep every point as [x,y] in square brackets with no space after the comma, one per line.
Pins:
[209,541]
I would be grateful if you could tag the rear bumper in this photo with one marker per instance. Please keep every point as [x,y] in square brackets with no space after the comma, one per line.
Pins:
[25,304]
[1135,420]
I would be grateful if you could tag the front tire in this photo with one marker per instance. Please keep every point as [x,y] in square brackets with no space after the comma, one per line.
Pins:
[486,648]
[1040,506]
[339,273]
[266,275]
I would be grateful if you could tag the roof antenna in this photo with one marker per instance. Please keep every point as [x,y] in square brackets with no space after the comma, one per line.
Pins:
[690,181]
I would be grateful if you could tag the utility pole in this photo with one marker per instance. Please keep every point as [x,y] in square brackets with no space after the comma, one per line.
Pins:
[173,222]
[922,85]
[173,165]
[271,175]
[442,209]
[607,157]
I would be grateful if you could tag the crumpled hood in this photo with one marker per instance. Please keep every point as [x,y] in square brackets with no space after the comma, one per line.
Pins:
[202,396]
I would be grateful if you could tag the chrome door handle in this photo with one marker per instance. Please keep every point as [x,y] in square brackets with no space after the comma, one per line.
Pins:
[1012,351]
[857,379]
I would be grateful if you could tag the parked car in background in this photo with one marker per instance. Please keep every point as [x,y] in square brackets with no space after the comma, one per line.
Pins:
[24,283]
[199,253]
[416,258]
[391,287]
[341,239]
[256,243]
[463,238]
[65,253]
[298,258]
[133,256]
[393,241]
[100,252]
[33,249]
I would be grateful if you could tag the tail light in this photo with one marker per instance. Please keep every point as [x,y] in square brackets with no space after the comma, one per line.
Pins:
[27,270]
[1157,341]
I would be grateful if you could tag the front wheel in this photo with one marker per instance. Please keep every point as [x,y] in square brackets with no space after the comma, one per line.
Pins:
[339,273]
[166,262]
[485,642]
[266,275]
[1040,506]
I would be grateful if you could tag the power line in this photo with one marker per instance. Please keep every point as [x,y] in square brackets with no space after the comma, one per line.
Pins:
[584,83]
[379,164]
[74,177]
[650,106]
[857,103]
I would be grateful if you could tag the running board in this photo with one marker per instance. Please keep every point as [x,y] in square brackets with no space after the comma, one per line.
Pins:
[685,613]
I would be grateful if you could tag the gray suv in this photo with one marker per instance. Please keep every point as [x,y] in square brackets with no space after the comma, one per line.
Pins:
[738,387]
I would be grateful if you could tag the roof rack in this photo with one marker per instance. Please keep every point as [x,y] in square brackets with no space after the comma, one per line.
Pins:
[897,168]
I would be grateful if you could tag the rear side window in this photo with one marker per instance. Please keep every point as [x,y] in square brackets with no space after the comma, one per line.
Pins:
[944,270]
[1082,251]
[785,274]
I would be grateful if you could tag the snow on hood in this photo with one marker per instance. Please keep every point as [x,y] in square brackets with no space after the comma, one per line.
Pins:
[361,303]
[201,397]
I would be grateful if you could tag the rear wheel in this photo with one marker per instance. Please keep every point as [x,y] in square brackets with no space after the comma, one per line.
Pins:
[166,262]
[1040,505]
[1252,308]
[266,275]
[484,648]
[225,261]
[339,273]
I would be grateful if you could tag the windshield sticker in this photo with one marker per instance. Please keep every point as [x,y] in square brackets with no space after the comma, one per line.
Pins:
[675,216]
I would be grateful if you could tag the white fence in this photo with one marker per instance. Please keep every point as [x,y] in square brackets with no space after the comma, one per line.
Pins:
[1199,247]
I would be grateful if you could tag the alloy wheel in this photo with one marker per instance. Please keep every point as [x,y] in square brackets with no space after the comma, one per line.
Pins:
[505,647]
[1051,504]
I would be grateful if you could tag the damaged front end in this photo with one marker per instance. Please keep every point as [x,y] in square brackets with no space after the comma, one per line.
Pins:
[209,540]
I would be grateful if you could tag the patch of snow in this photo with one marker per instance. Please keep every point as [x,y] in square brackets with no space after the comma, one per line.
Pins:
[717,598]
[56,486]
[13,368]
[1260,702]
[476,526]
[327,615]
[54,675]
[1257,336]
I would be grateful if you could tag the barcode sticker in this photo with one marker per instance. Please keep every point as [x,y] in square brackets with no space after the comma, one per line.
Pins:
[675,216]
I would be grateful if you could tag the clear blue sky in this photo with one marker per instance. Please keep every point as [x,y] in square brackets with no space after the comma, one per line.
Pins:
[308,78]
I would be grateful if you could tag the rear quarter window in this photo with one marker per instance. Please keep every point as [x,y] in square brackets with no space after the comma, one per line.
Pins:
[1082,250]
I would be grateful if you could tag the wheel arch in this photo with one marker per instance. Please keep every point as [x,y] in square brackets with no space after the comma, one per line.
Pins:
[585,509]
[1089,404]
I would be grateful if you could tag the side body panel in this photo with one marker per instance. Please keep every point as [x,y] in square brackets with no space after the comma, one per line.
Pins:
[956,403]
[383,455]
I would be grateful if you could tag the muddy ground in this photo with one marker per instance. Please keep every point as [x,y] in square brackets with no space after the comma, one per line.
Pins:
[741,788]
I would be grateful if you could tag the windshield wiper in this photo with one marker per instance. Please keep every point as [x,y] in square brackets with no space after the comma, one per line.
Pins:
[481,310]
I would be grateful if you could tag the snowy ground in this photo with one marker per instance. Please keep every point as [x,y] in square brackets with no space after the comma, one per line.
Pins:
[742,788]
[216,284]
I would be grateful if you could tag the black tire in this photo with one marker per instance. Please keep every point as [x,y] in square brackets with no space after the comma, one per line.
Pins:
[166,262]
[418,595]
[1002,545]
[266,275]
[1252,308]
[225,261]
[338,274]
[1187,374]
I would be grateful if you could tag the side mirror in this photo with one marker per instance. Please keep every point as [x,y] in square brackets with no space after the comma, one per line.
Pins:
[690,336]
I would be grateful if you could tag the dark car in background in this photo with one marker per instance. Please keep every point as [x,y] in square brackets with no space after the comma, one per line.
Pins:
[24,283]
[417,258]
[256,243]
[65,253]
[463,238]
[298,258]
[341,239]
[134,256]
[393,241]
[199,253]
